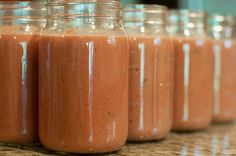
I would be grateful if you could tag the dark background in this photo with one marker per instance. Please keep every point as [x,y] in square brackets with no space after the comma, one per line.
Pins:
[169,3]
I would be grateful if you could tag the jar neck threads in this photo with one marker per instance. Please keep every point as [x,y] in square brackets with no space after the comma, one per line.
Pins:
[85,12]
[144,17]
[222,27]
[23,10]
[187,22]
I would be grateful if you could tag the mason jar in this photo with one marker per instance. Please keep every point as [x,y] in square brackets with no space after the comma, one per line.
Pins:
[194,66]
[222,30]
[83,75]
[20,26]
[150,72]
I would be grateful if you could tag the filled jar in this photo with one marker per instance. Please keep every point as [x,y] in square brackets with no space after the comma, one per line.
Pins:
[222,29]
[20,27]
[83,73]
[194,66]
[150,72]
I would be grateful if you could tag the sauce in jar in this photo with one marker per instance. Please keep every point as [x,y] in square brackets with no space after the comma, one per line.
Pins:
[83,77]
[194,66]
[150,72]
[223,32]
[19,45]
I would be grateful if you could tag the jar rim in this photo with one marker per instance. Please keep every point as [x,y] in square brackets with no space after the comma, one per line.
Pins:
[11,5]
[77,2]
[76,16]
[188,12]
[187,17]
[112,5]
[144,8]
[23,10]
[149,14]
[220,19]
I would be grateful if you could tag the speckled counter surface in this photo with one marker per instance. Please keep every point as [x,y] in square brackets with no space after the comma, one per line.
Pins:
[217,140]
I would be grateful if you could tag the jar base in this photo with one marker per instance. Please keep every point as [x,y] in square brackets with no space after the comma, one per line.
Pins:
[77,149]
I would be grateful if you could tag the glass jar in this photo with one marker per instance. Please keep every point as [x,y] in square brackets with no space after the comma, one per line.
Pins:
[20,26]
[223,32]
[150,72]
[194,65]
[83,73]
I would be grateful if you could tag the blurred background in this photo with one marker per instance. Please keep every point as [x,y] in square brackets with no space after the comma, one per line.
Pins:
[211,6]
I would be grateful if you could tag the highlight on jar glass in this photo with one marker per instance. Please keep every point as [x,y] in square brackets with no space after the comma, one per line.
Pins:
[150,72]
[222,29]
[194,66]
[20,26]
[83,73]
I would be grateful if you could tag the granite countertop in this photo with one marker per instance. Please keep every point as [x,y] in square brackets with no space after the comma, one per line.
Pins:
[219,139]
